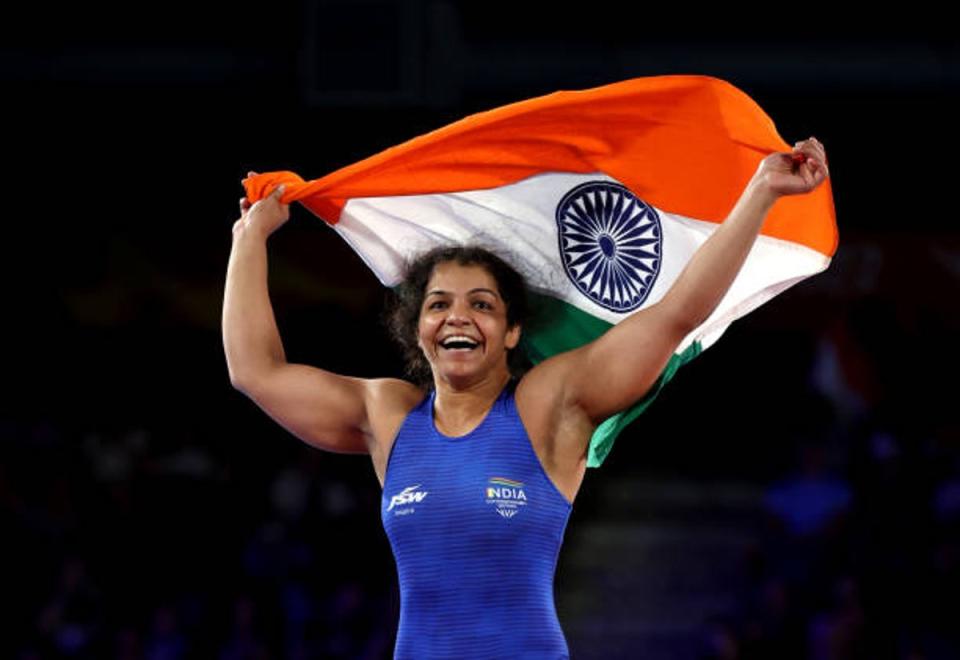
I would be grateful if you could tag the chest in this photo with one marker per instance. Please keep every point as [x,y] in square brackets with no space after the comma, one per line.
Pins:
[480,512]
[490,486]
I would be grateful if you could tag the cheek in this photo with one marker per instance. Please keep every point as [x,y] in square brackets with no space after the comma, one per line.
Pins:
[425,332]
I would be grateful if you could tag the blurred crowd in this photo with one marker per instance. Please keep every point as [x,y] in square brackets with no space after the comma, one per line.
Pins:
[860,551]
[116,552]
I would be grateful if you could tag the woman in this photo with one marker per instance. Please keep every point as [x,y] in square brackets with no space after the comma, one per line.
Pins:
[482,471]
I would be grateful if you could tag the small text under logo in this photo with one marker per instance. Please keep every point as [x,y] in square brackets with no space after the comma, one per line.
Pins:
[409,495]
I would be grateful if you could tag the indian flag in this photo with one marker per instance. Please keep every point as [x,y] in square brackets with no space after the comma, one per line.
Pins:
[599,197]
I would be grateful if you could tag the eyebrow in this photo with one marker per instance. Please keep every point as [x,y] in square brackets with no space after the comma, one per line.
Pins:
[439,292]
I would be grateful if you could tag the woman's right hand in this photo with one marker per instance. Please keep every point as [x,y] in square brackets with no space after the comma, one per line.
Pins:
[264,217]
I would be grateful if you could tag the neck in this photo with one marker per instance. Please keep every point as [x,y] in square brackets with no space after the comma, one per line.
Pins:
[457,410]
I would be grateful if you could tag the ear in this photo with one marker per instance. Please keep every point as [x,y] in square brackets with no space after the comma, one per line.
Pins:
[513,337]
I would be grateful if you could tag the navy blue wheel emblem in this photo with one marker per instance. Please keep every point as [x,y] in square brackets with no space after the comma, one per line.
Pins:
[610,244]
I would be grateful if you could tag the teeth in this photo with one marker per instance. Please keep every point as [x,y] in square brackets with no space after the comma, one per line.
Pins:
[472,343]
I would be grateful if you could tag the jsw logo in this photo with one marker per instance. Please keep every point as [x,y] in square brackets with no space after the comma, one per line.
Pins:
[407,496]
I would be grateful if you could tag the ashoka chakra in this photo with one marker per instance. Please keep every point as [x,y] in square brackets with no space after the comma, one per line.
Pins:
[610,244]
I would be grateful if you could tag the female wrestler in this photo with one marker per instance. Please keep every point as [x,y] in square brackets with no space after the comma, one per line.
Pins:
[479,471]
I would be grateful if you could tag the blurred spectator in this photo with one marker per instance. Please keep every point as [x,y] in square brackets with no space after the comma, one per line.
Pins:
[71,619]
[127,644]
[836,632]
[811,502]
[720,641]
[166,640]
[774,623]
[244,640]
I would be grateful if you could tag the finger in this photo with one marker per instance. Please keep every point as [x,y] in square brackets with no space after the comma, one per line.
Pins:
[809,150]
[251,173]
[819,148]
[818,172]
[814,146]
[806,173]
[822,171]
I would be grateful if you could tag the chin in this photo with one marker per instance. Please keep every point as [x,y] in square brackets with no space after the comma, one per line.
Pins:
[461,371]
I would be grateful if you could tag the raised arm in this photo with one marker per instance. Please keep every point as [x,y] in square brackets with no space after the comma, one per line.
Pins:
[324,409]
[632,354]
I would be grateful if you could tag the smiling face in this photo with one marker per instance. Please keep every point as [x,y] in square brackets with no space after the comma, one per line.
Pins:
[463,329]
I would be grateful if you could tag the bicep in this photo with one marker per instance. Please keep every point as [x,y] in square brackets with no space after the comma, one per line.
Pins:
[325,410]
[617,369]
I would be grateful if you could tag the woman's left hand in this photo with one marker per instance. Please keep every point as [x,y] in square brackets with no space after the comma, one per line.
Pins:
[797,172]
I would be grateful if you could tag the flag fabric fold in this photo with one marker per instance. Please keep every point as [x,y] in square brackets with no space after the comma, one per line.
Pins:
[599,197]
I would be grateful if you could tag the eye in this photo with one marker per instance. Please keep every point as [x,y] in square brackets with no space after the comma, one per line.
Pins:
[482,304]
[437,304]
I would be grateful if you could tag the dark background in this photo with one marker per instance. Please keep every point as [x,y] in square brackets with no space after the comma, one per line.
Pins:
[795,492]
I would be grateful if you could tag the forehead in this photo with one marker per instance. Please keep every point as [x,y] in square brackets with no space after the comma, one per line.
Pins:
[453,277]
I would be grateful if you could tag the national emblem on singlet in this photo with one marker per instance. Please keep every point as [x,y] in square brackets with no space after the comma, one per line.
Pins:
[506,496]
[610,244]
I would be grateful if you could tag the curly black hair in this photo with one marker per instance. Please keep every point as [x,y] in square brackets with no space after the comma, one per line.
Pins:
[403,310]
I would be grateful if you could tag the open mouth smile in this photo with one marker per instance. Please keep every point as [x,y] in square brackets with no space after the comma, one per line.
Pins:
[459,343]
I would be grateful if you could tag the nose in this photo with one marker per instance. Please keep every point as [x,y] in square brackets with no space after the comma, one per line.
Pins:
[458,313]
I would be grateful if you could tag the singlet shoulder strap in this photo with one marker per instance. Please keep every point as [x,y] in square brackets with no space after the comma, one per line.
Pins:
[506,407]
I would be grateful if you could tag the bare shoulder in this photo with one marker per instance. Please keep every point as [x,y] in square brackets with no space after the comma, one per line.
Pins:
[387,398]
[388,401]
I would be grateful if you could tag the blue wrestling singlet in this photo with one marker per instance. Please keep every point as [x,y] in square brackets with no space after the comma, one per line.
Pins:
[475,525]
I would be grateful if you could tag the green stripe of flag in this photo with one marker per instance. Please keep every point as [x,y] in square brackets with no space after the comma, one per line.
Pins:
[559,327]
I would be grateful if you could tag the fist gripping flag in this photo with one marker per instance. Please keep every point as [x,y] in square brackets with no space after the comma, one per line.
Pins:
[599,197]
